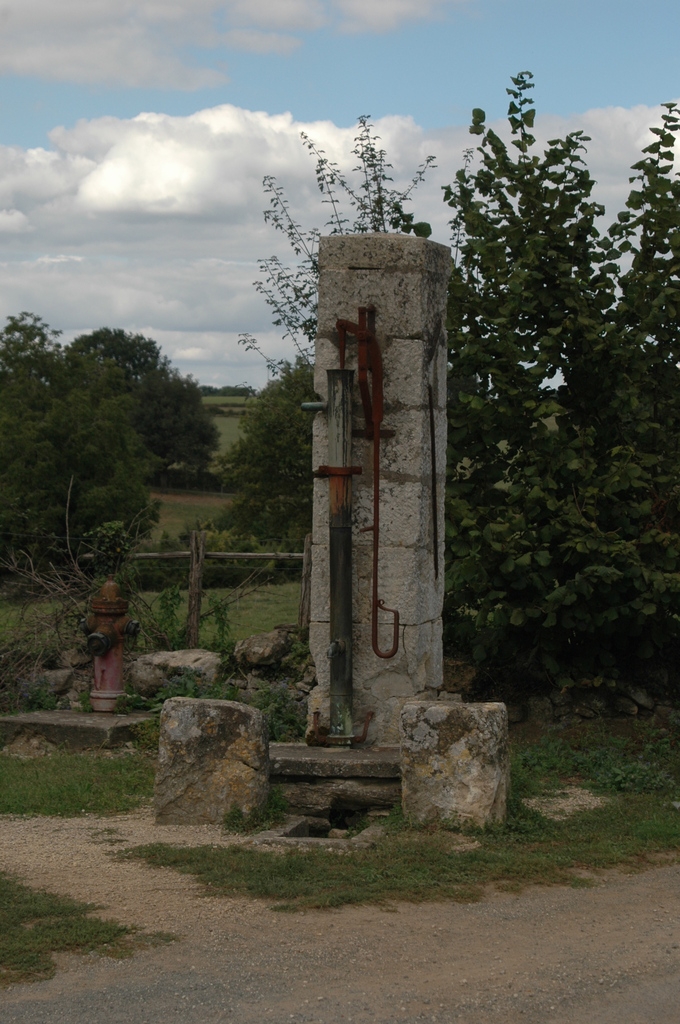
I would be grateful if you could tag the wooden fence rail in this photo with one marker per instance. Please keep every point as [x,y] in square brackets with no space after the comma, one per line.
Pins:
[197,556]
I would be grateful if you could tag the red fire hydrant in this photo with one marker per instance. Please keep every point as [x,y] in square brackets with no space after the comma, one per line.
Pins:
[106,628]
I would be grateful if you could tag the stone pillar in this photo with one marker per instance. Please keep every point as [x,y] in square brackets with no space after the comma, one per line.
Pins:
[405,279]
[213,756]
[454,761]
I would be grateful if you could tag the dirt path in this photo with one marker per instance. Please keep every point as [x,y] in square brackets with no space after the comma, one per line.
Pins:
[547,956]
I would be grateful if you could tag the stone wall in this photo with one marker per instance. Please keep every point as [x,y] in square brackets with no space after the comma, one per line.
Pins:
[405,279]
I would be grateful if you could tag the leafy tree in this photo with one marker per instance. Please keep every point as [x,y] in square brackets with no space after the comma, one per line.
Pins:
[173,422]
[166,410]
[134,354]
[66,439]
[563,510]
[269,468]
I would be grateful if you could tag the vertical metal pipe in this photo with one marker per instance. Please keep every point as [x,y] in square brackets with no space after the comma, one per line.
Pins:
[339,414]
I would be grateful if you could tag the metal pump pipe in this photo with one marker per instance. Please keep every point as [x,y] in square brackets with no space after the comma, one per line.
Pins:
[339,473]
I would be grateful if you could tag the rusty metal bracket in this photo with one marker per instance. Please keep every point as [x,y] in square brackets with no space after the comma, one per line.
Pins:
[324,740]
[323,471]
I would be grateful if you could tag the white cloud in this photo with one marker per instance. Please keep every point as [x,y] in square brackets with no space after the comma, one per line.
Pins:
[145,42]
[155,223]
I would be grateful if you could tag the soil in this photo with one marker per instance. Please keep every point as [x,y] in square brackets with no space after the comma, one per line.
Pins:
[610,953]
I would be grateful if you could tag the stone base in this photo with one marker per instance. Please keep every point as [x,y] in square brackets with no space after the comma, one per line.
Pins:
[71,730]
[213,757]
[454,761]
[318,780]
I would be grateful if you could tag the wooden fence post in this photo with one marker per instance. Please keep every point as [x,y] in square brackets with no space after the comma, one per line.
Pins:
[197,557]
[306,585]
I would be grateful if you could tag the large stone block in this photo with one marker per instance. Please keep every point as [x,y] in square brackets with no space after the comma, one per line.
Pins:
[213,757]
[454,761]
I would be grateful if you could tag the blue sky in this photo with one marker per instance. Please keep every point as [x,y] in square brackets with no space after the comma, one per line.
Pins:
[101,214]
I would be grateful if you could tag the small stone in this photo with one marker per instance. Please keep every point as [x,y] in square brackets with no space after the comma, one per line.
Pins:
[213,757]
[516,713]
[148,673]
[59,679]
[454,761]
[625,706]
[263,649]
[73,658]
[640,696]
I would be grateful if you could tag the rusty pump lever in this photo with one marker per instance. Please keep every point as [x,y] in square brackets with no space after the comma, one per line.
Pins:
[370,360]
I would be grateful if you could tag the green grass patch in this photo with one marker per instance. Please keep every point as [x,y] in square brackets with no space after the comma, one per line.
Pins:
[229,429]
[265,608]
[640,773]
[67,784]
[180,512]
[34,925]
[257,612]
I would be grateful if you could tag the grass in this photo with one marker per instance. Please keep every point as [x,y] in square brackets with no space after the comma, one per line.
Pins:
[229,428]
[630,831]
[257,612]
[179,511]
[228,401]
[71,784]
[35,925]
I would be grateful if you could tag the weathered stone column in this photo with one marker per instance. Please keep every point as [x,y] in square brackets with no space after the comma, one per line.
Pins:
[213,757]
[454,761]
[405,280]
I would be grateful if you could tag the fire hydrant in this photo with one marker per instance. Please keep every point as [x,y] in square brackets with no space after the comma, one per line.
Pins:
[106,628]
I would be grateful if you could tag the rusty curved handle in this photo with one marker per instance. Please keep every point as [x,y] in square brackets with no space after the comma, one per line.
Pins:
[370,359]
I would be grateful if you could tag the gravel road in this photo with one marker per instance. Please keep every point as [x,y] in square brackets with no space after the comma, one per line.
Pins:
[547,956]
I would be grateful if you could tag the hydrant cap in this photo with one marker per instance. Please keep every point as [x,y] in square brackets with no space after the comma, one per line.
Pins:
[109,600]
[110,591]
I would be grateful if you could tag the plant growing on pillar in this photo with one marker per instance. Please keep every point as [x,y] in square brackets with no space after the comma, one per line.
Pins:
[375,204]
[563,506]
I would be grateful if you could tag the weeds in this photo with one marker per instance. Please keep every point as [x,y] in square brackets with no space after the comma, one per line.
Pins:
[34,925]
[272,814]
[286,719]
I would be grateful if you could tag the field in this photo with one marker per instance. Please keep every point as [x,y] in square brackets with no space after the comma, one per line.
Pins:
[227,417]
[179,511]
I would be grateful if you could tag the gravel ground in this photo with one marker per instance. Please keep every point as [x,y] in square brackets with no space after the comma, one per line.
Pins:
[548,956]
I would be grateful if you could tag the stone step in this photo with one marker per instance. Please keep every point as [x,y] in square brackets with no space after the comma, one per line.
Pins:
[72,730]
[299,760]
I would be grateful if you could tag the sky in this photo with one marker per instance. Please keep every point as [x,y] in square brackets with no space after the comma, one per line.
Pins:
[134,136]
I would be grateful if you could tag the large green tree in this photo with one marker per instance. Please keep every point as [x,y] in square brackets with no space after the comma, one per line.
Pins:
[66,440]
[563,513]
[166,409]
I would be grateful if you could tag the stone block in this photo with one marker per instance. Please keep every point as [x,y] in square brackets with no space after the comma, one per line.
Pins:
[319,796]
[454,761]
[405,281]
[213,756]
[147,674]
[263,648]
